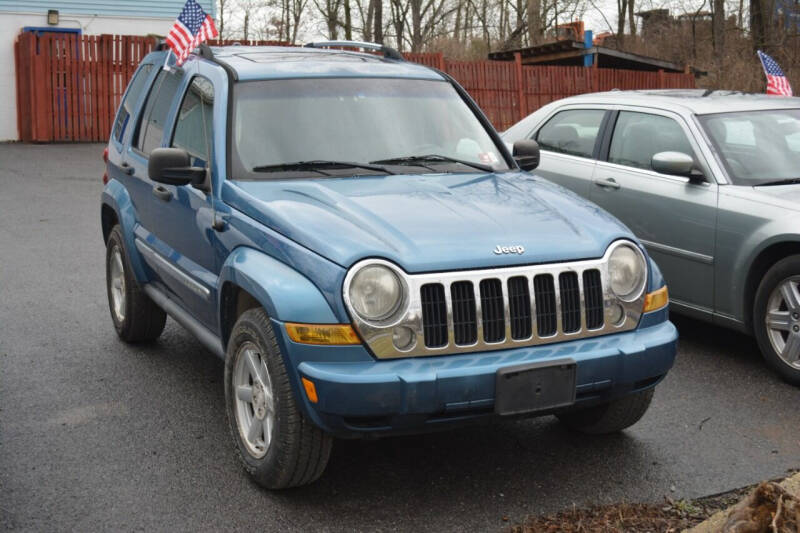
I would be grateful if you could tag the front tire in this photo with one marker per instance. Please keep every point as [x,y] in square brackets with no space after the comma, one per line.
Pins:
[776,318]
[277,445]
[136,318]
[610,417]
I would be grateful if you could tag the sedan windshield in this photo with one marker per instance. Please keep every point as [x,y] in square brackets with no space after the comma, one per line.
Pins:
[282,127]
[757,147]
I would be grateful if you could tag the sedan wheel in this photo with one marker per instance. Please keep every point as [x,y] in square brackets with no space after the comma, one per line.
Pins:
[776,317]
[783,321]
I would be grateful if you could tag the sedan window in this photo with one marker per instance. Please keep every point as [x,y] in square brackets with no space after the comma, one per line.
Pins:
[640,136]
[757,147]
[572,132]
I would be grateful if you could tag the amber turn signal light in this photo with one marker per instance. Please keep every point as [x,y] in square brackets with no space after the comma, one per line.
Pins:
[656,300]
[322,333]
[311,390]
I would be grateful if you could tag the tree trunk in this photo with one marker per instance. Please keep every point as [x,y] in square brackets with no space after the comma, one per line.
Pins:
[622,8]
[367,32]
[534,22]
[718,28]
[631,17]
[348,23]
[378,32]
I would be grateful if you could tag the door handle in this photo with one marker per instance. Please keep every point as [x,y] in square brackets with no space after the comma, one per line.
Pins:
[609,183]
[162,193]
[126,168]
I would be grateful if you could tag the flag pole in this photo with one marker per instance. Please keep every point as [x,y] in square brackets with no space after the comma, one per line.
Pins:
[166,59]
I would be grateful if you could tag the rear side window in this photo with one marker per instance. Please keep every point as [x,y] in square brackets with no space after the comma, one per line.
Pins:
[572,132]
[151,129]
[640,136]
[193,130]
[131,97]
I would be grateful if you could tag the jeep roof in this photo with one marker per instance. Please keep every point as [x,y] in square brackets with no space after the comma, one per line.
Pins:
[281,62]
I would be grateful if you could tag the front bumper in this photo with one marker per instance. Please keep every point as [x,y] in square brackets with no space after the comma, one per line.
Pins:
[362,396]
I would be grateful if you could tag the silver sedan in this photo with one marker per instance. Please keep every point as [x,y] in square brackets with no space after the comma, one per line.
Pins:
[710,183]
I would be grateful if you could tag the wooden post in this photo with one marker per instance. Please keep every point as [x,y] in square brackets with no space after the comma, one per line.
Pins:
[522,112]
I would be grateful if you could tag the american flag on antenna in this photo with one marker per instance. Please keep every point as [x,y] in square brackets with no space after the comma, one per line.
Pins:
[777,83]
[192,28]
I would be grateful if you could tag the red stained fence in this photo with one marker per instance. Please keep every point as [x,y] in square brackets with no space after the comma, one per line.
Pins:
[507,91]
[69,87]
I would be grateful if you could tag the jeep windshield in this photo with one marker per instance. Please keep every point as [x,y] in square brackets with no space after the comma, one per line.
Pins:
[757,147]
[378,125]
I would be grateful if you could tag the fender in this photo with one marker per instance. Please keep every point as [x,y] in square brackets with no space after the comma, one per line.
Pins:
[285,294]
[656,278]
[749,251]
[117,198]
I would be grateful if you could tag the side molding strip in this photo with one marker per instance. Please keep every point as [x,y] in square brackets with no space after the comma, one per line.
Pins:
[678,252]
[172,270]
[209,340]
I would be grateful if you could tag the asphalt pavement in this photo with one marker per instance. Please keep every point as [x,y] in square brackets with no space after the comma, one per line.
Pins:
[98,435]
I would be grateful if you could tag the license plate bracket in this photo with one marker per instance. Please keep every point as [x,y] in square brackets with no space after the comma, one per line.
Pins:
[535,387]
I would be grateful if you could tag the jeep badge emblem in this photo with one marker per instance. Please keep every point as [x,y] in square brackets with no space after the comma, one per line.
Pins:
[500,250]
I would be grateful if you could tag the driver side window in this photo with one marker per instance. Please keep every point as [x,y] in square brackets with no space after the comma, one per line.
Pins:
[194,127]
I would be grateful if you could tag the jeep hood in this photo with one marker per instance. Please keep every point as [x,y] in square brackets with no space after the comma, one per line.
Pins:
[430,222]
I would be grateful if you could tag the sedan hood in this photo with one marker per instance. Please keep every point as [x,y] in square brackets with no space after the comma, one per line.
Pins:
[787,196]
[431,222]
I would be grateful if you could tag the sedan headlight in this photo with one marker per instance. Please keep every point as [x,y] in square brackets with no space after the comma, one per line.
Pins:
[627,270]
[376,292]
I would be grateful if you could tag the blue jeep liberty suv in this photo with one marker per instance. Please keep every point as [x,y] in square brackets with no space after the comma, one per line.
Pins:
[347,230]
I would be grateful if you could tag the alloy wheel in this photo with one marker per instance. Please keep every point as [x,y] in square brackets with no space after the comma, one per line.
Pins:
[783,321]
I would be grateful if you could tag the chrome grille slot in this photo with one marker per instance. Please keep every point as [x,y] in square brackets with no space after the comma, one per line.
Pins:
[519,305]
[493,310]
[434,315]
[465,323]
[593,298]
[545,294]
[570,302]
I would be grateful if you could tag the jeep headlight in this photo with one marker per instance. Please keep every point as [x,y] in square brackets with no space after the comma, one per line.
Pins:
[375,292]
[627,270]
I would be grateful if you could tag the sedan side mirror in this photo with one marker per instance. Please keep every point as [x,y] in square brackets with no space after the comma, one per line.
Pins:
[172,166]
[673,163]
[526,154]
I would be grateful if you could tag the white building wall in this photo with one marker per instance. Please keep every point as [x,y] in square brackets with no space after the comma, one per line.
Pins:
[12,23]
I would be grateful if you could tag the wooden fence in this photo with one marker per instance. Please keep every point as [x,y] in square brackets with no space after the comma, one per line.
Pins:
[507,91]
[69,87]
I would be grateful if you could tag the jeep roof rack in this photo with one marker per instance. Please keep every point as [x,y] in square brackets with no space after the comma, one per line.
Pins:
[388,52]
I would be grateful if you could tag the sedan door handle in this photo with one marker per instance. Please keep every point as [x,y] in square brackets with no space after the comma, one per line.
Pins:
[609,183]
[126,168]
[162,193]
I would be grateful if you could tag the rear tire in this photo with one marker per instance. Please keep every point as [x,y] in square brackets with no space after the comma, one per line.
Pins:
[278,446]
[610,417]
[136,318]
[776,318]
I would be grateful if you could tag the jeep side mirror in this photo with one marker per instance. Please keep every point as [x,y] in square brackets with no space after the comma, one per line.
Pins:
[673,163]
[172,166]
[526,154]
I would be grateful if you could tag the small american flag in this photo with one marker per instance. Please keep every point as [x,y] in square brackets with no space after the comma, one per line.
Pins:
[776,80]
[192,28]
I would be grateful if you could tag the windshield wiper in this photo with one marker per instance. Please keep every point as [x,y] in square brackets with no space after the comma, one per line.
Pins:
[431,158]
[787,181]
[318,166]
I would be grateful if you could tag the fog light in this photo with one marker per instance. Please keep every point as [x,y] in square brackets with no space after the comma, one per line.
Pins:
[616,314]
[403,338]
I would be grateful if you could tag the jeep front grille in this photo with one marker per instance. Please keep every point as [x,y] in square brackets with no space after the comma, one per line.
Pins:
[490,309]
[508,312]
